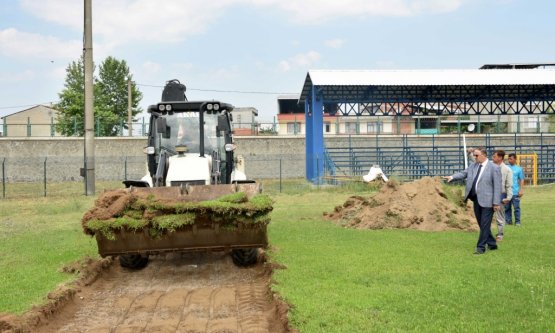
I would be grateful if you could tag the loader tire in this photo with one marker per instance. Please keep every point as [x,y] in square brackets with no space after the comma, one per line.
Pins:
[244,257]
[133,261]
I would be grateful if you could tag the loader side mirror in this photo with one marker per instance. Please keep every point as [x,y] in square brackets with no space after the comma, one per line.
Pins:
[223,124]
[162,128]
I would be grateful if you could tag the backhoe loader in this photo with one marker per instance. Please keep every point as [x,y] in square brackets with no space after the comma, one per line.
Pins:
[195,195]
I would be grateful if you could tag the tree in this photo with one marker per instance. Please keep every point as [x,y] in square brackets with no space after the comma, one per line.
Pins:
[110,99]
[111,94]
[72,100]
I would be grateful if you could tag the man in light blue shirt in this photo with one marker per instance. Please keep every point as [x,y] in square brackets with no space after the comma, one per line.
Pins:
[518,185]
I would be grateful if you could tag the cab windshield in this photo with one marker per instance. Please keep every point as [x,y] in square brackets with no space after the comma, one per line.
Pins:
[185,130]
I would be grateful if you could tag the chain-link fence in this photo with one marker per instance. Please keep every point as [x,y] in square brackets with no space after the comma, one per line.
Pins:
[346,160]
[51,176]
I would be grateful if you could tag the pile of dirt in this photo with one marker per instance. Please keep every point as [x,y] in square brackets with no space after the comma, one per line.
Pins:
[8,322]
[425,204]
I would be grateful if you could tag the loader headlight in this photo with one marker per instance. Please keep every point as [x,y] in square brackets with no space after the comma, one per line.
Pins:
[209,106]
[230,147]
[181,149]
[149,150]
[164,107]
[216,107]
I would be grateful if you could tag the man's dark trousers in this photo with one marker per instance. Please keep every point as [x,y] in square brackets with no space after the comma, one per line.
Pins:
[484,216]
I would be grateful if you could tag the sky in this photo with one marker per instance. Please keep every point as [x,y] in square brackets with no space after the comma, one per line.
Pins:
[248,52]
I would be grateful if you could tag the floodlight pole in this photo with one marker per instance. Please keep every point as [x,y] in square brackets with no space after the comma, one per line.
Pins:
[89,98]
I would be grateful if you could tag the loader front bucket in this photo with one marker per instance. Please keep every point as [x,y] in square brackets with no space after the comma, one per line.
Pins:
[188,218]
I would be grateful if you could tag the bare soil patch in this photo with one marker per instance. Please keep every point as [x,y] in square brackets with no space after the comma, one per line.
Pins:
[192,292]
[425,204]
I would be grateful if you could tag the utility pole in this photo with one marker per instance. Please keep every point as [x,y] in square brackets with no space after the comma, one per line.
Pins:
[129,114]
[89,98]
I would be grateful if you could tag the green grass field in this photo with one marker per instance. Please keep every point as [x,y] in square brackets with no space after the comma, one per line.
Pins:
[344,280]
[38,236]
[337,280]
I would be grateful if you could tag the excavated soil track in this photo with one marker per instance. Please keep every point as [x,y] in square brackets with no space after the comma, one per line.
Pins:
[193,292]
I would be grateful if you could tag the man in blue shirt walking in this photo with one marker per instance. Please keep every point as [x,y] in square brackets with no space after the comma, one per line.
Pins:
[518,184]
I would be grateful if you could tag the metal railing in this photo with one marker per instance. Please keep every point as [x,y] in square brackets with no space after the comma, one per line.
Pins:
[444,125]
[414,157]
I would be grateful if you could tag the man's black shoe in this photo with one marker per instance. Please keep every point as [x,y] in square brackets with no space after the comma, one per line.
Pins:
[478,252]
[492,248]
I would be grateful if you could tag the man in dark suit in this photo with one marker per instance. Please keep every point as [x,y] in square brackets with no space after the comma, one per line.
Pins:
[483,187]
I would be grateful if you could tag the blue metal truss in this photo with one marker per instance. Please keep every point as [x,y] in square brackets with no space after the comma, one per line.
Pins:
[427,94]
[428,100]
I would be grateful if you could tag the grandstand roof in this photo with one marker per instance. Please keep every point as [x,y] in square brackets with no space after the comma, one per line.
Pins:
[450,77]
[517,66]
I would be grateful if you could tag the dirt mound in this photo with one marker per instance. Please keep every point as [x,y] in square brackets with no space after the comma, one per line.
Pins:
[425,204]
[8,323]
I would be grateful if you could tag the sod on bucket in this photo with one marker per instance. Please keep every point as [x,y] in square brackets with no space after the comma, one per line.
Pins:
[164,210]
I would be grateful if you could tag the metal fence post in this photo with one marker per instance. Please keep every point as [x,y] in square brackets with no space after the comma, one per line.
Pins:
[28,126]
[52,128]
[280,175]
[418,125]
[351,157]
[74,126]
[143,127]
[97,126]
[45,175]
[318,171]
[4,178]
[125,168]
